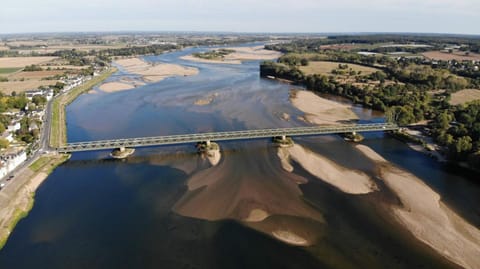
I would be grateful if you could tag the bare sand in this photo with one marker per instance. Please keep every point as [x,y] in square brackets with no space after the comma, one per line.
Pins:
[240,54]
[115,87]
[427,217]
[290,238]
[256,215]
[319,110]
[155,72]
[346,180]
[230,191]
[214,156]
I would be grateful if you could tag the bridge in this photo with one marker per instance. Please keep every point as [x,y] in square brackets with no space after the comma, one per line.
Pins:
[223,136]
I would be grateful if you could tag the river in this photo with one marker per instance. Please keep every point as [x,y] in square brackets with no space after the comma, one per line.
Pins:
[95,212]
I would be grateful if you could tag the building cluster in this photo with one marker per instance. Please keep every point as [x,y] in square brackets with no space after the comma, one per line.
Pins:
[16,153]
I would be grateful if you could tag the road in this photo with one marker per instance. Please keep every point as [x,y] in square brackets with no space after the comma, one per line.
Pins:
[42,143]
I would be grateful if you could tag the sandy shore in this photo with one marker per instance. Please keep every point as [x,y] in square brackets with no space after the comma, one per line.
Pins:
[115,86]
[427,217]
[349,181]
[155,72]
[319,110]
[240,54]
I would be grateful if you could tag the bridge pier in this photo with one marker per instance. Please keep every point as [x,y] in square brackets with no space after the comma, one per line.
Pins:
[122,152]
[283,141]
[209,150]
[353,137]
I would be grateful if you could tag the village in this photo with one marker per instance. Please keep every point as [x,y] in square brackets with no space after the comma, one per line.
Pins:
[23,127]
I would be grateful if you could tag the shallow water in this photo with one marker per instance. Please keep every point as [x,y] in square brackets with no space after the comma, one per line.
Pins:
[94,212]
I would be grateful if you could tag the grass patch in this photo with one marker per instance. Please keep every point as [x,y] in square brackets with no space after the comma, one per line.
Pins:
[41,162]
[9,70]
[214,54]
[325,68]
[58,134]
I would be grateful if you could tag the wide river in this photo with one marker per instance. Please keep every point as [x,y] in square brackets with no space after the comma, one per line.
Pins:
[95,212]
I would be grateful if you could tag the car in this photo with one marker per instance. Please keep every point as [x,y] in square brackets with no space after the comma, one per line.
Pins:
[2,185]
[10,177]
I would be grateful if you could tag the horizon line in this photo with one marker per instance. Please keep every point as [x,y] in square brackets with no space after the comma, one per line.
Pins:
[333,33]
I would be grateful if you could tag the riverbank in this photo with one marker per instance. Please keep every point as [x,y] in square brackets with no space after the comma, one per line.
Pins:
[58,132]
[17,198]
[428,218]
[239,55]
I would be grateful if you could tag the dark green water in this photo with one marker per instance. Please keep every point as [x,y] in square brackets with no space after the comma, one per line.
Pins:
[93,212]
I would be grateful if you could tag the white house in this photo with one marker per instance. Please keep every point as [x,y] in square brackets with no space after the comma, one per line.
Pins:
[11,160]
[15,126]
[7,136]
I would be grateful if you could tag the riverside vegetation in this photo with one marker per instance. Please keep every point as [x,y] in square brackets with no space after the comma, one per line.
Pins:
[58,134]
[407,89]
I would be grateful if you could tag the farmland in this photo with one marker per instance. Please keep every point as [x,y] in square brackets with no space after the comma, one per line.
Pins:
[465,96]
[20,62]
[8,70]
[16,80]
[325,68]
[455,55]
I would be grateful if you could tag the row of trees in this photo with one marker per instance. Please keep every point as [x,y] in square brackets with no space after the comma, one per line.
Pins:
[456,127]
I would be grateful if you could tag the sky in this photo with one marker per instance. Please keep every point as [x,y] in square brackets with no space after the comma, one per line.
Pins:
[318,16]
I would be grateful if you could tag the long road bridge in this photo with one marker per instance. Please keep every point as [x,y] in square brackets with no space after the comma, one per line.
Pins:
[223,136]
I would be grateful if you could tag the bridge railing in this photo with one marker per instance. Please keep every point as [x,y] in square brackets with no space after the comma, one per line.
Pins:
[227,135]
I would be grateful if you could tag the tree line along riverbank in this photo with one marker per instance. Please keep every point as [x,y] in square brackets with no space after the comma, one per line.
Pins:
[406,89]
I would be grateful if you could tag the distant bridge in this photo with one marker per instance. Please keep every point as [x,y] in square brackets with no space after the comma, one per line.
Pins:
[223,136]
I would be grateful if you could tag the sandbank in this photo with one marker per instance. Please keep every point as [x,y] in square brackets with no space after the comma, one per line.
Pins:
[201,60]
[154,72]
[241,54]
[115,87]
[319,110]
[290,238]
[256,215]
[346,180]
[223,192]
[427,217]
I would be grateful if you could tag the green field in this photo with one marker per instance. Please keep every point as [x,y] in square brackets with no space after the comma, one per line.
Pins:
[325,68]
[9,70]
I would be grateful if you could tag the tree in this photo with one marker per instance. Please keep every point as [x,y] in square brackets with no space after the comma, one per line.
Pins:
[461,147]
[4,143]
[39,100]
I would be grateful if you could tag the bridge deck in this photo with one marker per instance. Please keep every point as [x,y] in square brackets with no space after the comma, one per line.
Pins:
[223,136]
